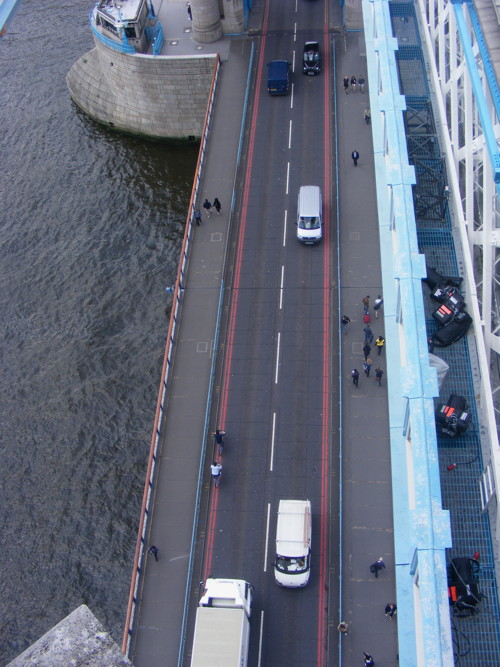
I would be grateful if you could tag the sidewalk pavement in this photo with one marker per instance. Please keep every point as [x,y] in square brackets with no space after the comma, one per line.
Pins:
[158,624]
[367,508]
[178,33]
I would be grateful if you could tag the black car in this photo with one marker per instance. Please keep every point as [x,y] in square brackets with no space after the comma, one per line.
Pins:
[311,58]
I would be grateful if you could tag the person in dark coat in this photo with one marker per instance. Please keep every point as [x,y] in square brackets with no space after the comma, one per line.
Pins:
[346,84]
[355,376]
[154,551]
[208,207]
[217,205]
[369,661]
[355,157]
[390,610]
[345,323]
[376,566]
[368,334]
[378,376]
[366,350]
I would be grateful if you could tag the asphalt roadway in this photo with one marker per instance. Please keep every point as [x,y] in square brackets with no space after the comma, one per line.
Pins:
[279,355]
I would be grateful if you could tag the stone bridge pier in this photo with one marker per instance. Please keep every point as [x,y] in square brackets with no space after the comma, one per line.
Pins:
[214,18]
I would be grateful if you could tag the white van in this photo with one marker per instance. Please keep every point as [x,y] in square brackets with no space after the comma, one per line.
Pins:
[309,215]
[293,543]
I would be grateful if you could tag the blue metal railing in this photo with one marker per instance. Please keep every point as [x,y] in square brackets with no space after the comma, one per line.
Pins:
[122,47]
[154,36]
[157,38]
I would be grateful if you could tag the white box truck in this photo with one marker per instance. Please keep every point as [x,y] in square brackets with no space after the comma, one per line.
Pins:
[292,564]
[222,629]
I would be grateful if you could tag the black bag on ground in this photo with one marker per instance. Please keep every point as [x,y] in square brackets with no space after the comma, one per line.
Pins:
[455,330]
[448,311]
[463,587]
[448,293]
[435,279]
[453,418]
[443,315]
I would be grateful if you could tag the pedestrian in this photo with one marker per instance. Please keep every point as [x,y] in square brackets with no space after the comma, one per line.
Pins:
[190,14]
[366,304]
[367,366]
[369,661]
[346,84]
[368,334]
[367,114]
[353,83]
[355,376]
[376,566]
[154,551]
[380,342]
[215,470]
[378,376]
[197,216]
[355,157]
[390,610]
[345,323]
[217,205]
[361,81]
[377,305]
[366,350]
[219,439]
[208,207]
[343,627]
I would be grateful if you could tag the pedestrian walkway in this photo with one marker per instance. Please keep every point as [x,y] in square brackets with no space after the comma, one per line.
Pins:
[367,521]
[178,33]
[158,624]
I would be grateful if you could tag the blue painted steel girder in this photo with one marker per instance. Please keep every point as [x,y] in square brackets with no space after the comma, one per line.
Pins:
[8,9]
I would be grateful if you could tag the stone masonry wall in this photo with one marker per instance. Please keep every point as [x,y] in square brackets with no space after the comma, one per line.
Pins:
[163,97]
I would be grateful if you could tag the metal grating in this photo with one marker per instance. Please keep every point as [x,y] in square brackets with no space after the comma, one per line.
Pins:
[477,637]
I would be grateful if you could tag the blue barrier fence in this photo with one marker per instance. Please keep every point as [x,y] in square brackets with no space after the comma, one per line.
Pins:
[122,47]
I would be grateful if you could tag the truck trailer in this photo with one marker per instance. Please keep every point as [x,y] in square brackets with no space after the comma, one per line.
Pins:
[222,630]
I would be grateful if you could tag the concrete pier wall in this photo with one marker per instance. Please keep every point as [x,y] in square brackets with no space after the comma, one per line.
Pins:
[161,97]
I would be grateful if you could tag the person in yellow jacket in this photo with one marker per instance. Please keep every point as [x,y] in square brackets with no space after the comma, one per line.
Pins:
[380,342]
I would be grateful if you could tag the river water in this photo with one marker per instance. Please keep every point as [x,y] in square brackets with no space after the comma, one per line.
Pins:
[91,226]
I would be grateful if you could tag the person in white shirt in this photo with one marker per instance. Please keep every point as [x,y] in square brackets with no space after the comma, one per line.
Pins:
[216,469]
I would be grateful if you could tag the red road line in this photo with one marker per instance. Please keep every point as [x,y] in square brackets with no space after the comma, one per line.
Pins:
[325,470]
[325,436]
[235,289]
